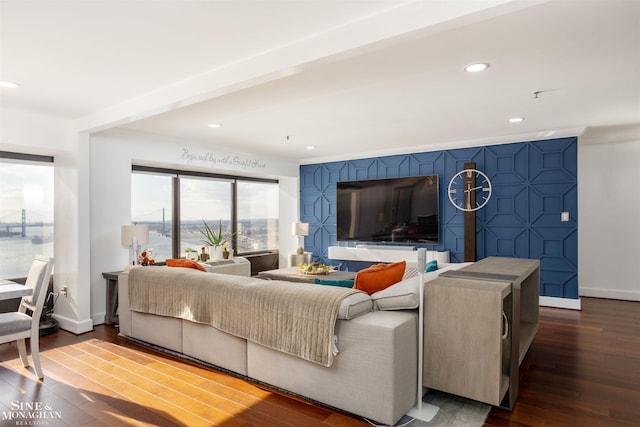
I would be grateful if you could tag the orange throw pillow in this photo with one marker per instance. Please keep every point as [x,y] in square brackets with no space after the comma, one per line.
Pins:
[379,277]
[186,263]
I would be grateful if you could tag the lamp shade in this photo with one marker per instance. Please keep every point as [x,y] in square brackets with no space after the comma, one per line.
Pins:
[300,229]
[140,232]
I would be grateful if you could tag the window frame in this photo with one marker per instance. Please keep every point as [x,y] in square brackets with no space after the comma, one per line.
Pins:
[33,160]
[176,218]
[39,158]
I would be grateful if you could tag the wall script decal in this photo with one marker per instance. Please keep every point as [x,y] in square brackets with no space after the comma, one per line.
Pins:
[225,160]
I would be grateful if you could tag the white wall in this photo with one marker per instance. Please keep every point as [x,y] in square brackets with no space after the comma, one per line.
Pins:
[25,132]
[31,133]
[92,182]
[609,206]
[113,153]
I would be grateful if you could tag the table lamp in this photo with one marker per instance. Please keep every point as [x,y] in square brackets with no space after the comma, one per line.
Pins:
[300,229]
[133,236]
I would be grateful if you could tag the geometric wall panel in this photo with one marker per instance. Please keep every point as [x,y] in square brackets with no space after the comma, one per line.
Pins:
[533,182]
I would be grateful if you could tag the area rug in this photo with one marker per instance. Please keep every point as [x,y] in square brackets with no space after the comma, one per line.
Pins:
[454,411]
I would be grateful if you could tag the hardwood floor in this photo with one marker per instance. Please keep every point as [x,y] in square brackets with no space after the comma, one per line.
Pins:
[100,379]
[583,369]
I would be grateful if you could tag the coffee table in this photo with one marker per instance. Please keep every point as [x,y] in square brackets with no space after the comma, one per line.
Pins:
[291,274]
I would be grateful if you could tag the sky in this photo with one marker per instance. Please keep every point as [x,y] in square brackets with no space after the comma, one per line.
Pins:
[26,186]
[30,186]
[201,198]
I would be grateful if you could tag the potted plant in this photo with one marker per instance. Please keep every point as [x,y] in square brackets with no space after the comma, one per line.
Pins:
[191,254]
[211,237]
[203,256]
[225,251]
[214,238]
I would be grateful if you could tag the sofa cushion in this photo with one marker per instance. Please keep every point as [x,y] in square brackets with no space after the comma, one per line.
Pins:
[355,305]
[411,270]
[404,295]
[13,322]
[379,277]
[185,263]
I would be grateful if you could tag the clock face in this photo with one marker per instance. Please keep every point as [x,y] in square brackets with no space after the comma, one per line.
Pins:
[469,190]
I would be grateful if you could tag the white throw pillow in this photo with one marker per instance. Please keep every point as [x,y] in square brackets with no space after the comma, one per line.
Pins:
[405,295]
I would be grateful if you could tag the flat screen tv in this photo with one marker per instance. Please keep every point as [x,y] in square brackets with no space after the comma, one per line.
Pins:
[398,210]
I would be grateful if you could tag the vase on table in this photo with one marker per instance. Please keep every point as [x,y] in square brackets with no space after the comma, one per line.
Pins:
[216,252]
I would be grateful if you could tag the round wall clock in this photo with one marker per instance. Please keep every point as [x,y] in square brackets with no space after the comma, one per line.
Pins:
[469,190]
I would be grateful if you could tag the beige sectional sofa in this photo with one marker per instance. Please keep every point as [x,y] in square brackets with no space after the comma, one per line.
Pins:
[372,375]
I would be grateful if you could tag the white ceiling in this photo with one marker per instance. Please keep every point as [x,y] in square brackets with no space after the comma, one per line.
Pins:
[348,77]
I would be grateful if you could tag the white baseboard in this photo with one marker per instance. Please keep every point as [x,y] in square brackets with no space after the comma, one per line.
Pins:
[99,318]
[570,303]
[610,294]
[74,326]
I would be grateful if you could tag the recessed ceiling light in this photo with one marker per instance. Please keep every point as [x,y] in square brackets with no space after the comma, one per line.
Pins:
[9,85]
[474,68]
[310,147]
[516,120]
[214,125]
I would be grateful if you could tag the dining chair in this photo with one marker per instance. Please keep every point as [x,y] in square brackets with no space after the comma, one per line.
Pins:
[19,325]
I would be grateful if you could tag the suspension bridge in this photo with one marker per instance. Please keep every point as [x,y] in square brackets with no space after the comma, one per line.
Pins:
[19,228]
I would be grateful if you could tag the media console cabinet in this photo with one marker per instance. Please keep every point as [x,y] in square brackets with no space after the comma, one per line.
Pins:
[479,323]
[383,253]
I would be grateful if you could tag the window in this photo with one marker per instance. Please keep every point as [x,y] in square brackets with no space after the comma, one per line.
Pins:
[26,211]
[203,199]
[257,216]
[151,201]
[247,209]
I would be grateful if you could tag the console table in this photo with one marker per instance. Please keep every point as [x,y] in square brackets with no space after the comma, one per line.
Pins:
[383,253]
[479,323]
[111,309]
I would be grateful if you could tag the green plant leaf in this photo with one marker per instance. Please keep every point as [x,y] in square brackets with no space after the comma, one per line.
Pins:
[212,238]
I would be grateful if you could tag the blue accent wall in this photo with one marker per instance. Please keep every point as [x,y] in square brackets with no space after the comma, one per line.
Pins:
[533,182]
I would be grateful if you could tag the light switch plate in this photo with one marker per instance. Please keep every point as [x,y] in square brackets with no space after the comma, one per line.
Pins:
[564,217]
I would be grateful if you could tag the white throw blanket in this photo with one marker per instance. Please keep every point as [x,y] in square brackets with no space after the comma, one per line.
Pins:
[295,318]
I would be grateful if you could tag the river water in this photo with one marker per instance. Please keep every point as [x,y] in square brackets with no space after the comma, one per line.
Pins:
[17,252]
